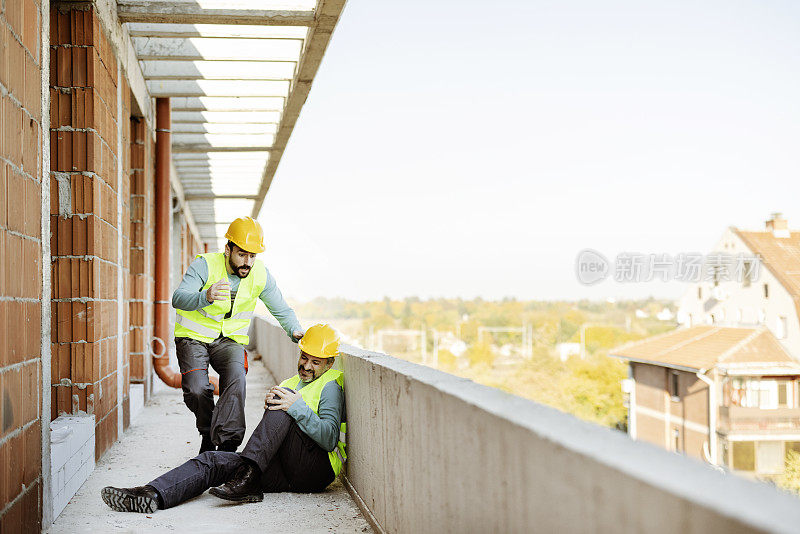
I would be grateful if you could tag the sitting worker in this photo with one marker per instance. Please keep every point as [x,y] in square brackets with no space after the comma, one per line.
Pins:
[214,304]
[298,445]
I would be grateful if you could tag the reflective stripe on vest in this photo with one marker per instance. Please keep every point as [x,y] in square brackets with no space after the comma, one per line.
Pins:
[209,322]
[311,394]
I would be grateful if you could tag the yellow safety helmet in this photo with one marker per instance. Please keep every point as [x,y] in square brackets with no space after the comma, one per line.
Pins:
[246,233]
[320,341]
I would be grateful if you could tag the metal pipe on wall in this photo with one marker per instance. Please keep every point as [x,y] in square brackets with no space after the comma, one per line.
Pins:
[163,213]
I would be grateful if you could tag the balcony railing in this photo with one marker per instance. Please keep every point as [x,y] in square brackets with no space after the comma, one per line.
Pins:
[741,419]
[432,452]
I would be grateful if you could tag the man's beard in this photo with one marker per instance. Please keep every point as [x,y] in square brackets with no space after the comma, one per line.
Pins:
[238,270]
[306,379]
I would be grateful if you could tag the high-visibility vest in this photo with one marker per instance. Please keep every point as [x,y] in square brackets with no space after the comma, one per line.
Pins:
[206,324]
[311,393]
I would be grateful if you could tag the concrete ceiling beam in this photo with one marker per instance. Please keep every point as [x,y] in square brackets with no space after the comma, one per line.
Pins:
[209,12]
[171,88]
[239,117]
[226,104]
[230,128]
[218,70]
[204,147]
[192,197]
[203,48]
[240,31]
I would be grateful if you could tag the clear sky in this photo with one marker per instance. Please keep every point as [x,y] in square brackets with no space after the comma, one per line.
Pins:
[474,148]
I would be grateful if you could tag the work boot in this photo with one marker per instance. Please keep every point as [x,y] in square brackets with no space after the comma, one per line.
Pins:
[207,445]
[142,499]
[245,486]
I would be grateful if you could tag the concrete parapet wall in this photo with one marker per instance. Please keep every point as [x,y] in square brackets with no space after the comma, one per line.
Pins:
[429,452]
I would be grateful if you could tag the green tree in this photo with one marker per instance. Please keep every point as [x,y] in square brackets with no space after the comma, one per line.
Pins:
[790,479]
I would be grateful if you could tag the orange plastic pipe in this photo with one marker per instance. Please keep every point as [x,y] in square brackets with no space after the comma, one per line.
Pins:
[163,212]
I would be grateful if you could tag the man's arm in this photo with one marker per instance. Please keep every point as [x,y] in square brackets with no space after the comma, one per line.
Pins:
[323,427]
[189,295]
[272,298]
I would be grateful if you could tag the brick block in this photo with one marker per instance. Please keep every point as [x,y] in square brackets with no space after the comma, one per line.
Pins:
[13,520]
[31,509]
[4,466]
[62,319]
[16,200]
[33,208]
[63,66]
[3,201]
[4,340]
[13,260]
[33,327]
[31,277]
[79,66]
[30,392]
[31,148]
[17,336]
[32,442]
[16,69]
[31,31]
[4,55]
[32,98]
[15,15]
[12,402]
[59,26]
[64,104]
[12,127]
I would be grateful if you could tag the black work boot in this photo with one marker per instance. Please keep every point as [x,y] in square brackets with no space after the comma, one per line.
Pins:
[245,486]
[207,445]
[142,499]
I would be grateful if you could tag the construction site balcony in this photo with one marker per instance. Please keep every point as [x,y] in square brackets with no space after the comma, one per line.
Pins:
[432,452]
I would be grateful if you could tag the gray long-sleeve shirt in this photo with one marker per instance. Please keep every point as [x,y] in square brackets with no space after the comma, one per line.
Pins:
[323,426]
[190,297]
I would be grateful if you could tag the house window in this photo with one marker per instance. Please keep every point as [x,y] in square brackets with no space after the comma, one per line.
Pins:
[769,457]
[676,440]
[766,291]
[744,455]
[699,293]
[748,270]
[674,392]
[755,393]
[783,393]
[780,328]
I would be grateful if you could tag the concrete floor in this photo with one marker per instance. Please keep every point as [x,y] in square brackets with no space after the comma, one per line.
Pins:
[163,436]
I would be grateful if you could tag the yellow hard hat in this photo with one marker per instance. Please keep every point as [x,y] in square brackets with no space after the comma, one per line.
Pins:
[320,341]
[246,233]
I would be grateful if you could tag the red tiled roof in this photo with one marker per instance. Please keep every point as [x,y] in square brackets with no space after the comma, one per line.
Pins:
[704,347]
[781,255]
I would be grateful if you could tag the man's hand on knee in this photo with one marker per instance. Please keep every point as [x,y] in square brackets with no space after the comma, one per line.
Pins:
[279,398]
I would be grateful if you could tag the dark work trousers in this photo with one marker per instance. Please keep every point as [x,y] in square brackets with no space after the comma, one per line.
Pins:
[223,423]
[289,460]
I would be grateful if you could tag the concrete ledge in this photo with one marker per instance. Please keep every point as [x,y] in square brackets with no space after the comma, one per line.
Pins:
[429,451]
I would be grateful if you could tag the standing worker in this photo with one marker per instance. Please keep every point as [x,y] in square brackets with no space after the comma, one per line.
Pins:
[214,304]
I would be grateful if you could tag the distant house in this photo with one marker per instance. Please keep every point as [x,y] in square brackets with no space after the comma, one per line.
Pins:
[726,395]
[772,301]
[726,386]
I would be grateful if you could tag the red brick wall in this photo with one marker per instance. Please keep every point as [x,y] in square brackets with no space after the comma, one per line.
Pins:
[85,223]
[20,254]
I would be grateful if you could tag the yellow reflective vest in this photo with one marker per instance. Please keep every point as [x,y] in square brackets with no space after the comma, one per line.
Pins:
[311,394]
[206,324]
